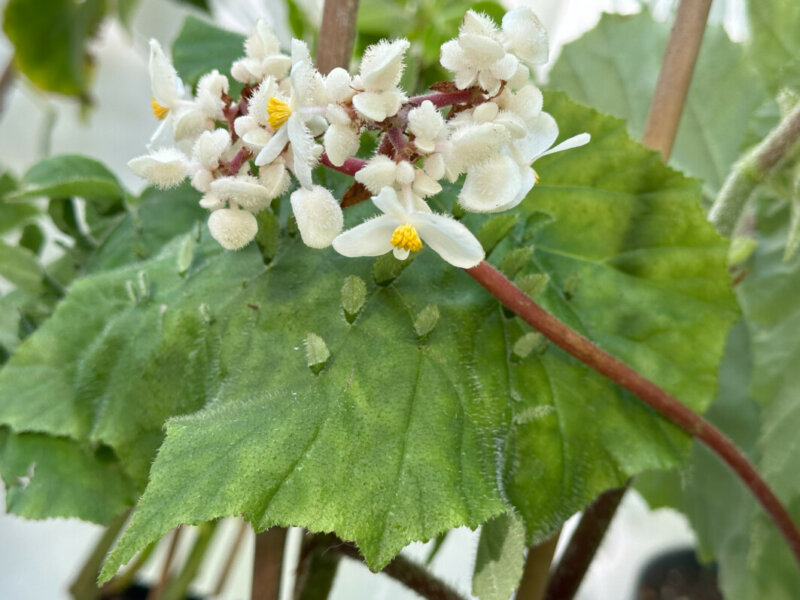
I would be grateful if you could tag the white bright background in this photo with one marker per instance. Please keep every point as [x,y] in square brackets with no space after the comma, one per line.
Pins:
[39,559]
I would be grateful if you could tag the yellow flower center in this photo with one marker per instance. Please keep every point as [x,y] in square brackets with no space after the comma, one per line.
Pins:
[278,112]
[159,111]
[406,237]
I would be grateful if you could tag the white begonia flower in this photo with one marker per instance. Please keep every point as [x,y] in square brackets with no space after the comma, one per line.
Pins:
[318,214]
[169,97]
[525,36]
[292,120]
[232,228]
[263,57]
[477,55]
[207,153]
[380,72]
[253,128]
[342,137]
[471,145]
[403,229]
[165,167]
[503,181]
[244,190]
[428,126]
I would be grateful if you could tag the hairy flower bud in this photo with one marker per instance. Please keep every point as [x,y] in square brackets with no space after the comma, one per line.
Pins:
[319,216]
[232,228]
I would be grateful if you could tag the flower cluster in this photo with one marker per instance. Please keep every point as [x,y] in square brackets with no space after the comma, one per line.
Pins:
[487,125]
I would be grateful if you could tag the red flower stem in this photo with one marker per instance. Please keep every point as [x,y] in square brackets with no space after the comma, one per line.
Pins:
[441,99]
[232,167]
[623,375]
[351,166]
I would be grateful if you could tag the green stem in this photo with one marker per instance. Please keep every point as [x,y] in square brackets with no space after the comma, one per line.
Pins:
[85,585]
[177,588]
[749,173]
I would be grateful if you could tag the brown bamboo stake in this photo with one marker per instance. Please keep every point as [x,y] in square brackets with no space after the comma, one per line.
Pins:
[155,591]
[537,569]
[267,564]
[337,34]
[675,76]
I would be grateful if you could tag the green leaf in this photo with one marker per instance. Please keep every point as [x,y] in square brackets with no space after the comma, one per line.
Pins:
[500,558]
[50,41]
[49,477]
[354,294]
[773,45]
[21,267]
[201,47]
[614,69]
[12,214]
[393,440]
[69,175]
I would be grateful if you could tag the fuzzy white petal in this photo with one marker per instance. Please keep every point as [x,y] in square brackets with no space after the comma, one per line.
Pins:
[378,105]
[166,167]
[434,166]
[275,179]
[274,147]
[232,228]
[449,239]
[201,180]
[318,214]
[542,132]
[164,80]
[257,105]
[474,144]
[491,186]
[382,64]
[526,36]
[371,238]
[210,201]
[424,185]
[405,173]
[210,146]
[306,151]
[379,172]
[338,84]
[574,142]
[389,204]
[245,190]
[341,142]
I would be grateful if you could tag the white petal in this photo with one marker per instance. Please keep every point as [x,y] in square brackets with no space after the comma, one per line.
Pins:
[211,202]
[382,64]
[389,204]
[256,139]
[405,173]
[474,144]
[490,186]
[201,181]
[338,84]
[166,167]
[232,228]
[371,238]
[574,142]
[163,78]
[379,172]
[483,113]
[377,105]
[306,151]
[449,238]
[526,36]
[257,105]
[477,23]
[341,142]
[190,123]
[318,214]
[481,51]
[210,146]
[274,147]
[245,190]
[434,166]
[542,132]
[275,179]
[424,185]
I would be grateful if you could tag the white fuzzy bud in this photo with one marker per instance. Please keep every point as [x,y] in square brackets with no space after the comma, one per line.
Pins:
[525,36]
[275,179]
[485,112]
[491,186]
[318,214]
[405,173]
[341,142]
[427,124]
[474,144]
[210,146]
[338,84]
[382,64]
[165,167]
[201,180]
[434,166]
[211,202]
[379,172]
[232,228]
[244,190]
[425,185]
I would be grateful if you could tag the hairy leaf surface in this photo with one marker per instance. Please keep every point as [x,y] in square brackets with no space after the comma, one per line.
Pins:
[614,69]
[393,437]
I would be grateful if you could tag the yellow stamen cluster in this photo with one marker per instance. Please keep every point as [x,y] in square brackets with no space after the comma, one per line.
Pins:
[406,237]
[159,111]
[278,112]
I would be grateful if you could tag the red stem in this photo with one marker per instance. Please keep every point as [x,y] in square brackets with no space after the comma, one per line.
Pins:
[441,99]
[350,167]
[620,373]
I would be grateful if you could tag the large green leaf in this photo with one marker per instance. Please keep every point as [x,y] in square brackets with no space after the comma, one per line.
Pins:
[500,558]
[50,41]
[69,175]
[48,476]
[201,47]
[774,46]
[12,214]
[20,266]
[614,69]
[391,425]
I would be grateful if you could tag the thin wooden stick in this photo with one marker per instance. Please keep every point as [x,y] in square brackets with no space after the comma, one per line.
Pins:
[155,591]
[537,569]
[267,564]
[337,34]
[85,585]
[568,575]
[675,76]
